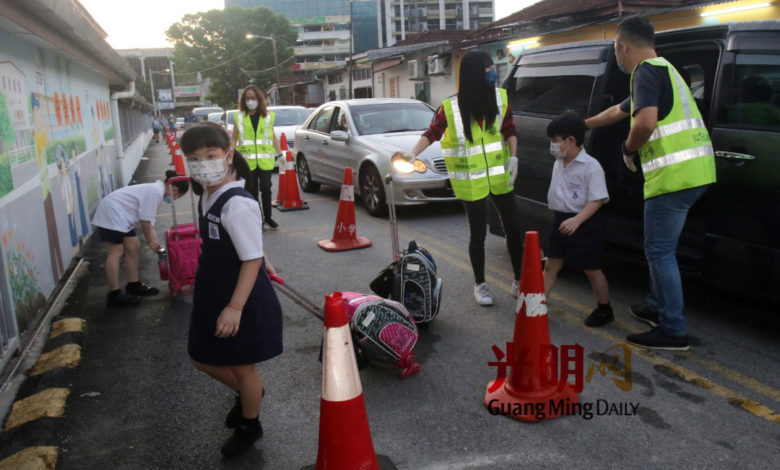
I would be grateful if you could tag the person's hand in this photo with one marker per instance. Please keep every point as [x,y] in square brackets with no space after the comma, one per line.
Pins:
[227,322]
[269,268]
[511,167]
[155,246]
[406,156]
[569,226]
[629,161]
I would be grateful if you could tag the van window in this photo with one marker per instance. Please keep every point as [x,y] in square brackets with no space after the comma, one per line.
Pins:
[698,65]
[552,95]
[755,91]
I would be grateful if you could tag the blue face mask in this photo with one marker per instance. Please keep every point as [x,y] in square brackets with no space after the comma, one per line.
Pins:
[491,76]
[168,199]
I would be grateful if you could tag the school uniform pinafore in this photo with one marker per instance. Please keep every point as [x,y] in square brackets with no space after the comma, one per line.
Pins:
[259,334]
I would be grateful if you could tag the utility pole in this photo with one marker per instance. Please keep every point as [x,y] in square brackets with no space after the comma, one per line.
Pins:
[351,41]
[276,67]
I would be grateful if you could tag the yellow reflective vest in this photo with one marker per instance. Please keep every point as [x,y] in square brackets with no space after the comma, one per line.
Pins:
[678,155]
[475,167]
[257,148]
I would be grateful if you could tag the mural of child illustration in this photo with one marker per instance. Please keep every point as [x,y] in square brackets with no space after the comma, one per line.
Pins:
[41,138]
[68,194]
[104,171]
[74,164]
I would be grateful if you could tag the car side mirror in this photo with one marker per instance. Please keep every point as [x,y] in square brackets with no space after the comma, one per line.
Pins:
[339,136]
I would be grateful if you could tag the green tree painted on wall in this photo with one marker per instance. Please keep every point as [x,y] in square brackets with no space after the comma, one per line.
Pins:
[6,131]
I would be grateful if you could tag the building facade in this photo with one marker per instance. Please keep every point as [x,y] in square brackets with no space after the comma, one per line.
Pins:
[398,18]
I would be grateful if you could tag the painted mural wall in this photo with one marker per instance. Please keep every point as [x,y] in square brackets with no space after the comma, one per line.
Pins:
[56,163]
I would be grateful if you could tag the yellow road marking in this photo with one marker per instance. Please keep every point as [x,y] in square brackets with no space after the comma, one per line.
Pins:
[31,458]
[48,403]
[437,248]
[68,356]
[67,325]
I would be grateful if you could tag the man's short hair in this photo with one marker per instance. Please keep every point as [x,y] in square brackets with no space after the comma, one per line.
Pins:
[637,31]
[566,125]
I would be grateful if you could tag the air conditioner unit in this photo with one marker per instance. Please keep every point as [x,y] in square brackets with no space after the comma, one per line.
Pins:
[438,65]
[416,70]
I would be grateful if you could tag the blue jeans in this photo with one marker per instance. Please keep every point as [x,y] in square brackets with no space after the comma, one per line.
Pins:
[664,220]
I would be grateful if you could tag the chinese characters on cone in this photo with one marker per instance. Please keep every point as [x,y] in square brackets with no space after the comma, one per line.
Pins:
[345,235]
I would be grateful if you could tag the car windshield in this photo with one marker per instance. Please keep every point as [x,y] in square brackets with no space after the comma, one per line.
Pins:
[290,117]
[383,118]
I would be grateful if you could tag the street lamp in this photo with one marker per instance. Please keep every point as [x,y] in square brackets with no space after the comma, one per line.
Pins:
[151,82]
[276,63]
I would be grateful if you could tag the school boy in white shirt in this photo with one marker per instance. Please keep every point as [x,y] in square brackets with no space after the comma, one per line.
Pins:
[577,192]
[116,217]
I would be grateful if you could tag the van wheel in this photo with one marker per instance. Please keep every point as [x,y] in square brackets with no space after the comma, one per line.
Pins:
[304,176]
[372,191]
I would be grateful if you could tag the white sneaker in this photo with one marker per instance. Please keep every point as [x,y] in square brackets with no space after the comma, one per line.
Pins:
[481,295]
[515,288]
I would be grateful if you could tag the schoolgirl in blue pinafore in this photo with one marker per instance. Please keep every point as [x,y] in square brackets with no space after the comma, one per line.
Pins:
[259,336]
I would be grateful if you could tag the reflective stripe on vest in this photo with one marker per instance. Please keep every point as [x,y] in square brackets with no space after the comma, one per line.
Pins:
[258,150]
[475,168]
[678,155]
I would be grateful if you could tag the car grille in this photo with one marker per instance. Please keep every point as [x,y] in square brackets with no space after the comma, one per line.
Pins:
[439,166]
[290,143]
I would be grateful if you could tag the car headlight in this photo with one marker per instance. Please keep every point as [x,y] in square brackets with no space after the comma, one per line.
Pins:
[402,166]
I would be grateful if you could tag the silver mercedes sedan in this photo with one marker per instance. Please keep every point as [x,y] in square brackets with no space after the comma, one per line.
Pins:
[363,134]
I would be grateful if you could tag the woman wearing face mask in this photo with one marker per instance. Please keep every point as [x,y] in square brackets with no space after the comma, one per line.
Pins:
[236,317]
[253,136]
[478,143]
[115,219]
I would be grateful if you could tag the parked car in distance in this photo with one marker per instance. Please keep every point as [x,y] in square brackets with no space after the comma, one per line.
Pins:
[217,117]
[179,122]
[201,114]
[363,134]
[288,119]
[732,235]
[230,117]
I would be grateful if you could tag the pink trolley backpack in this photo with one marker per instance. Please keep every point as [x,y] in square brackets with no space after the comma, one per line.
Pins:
[383,330]
[179,262]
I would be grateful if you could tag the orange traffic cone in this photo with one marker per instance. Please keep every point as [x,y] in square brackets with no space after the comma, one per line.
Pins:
[292,198]
[282,178]
[344,439]
[172,148]
[178,160]
[345,235]
[533,392]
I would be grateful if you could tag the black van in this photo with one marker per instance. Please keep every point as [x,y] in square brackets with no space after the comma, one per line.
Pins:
[732,236]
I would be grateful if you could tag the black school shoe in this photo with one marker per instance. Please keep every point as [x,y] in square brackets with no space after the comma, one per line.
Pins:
[658,339]
[139,288]
[271,222]
[644,313]
[243,437]
[117,298]
[235,415]
[600,317]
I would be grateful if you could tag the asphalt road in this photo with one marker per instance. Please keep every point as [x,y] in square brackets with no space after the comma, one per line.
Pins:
[137,403]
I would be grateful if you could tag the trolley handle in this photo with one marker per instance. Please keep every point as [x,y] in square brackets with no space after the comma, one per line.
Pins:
[173,207]
[393,220]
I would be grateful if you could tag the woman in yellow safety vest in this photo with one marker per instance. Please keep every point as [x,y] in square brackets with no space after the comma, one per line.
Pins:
[253,136]
[478,144]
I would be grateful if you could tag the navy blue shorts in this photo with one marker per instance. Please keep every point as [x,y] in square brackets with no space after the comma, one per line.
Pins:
[113,236]
[584,248]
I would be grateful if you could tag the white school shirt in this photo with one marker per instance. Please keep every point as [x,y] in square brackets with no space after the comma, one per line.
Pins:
[122,208]
[241,219]
[576,184]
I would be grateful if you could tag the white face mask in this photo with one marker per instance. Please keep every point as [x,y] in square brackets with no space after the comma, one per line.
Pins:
[251,104]
[555,149]
[208,172]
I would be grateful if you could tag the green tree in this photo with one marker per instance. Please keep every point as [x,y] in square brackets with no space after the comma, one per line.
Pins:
[6,130]
[144,88]
[215,43]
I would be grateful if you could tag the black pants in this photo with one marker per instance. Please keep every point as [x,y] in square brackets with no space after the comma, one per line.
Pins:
[476,211]
[260,184]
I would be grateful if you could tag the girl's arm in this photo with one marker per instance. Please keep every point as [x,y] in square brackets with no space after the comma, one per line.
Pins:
[234,134]
[276,145]
[151,235]
[229,319]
